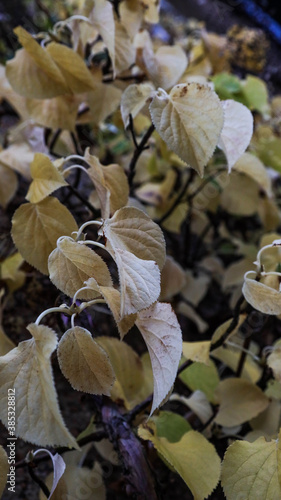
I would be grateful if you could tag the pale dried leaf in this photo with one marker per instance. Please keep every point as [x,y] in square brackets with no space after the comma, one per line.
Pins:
[237,131]
[36,228]
[27,368]
[133,99]
[240,400]
[151,10]
[162,334]
[132,230]
[139,282]
[273,361]
[125,52]
[131,16]
[8,185]
[18,157]
[128,370]
[190,121]
[193,458]
[102,18]
[158,194]
[46,178]
[166,66]
[249,470]
[84,363]
[72,263]
[196,287]
[58,467]
[261,296]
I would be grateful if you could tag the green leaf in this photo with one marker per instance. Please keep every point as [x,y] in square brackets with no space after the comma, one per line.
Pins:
[201,377]
[193,458]
[171,426]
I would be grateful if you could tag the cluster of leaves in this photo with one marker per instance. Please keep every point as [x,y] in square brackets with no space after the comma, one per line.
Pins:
[158,118]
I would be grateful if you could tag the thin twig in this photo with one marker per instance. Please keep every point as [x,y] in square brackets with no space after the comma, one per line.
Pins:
[81,198]
[138,151]
[94,437]
[54,139]
[132,130]
[232,325]
[39,481]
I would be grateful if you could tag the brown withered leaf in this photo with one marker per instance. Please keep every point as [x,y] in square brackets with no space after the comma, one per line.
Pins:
[84,363]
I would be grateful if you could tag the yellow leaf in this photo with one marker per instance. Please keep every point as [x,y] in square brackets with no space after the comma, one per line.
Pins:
[33,73]
[132,230]
[36,228]
[103,101]
[116,182]
[6,344]
[27,369]
[151,10]
[240,400]
[128,370]
[8,185]
[4,469]
[197,351]
[46,178]
[251,166]
[158,193]
[249,471]
[74,70]
[131,16]
[84,363]
[230,357]
[72,263]
[11,273]
[241,195]
[190,121]
[162,334]
[58,112]
[196,287]
[193,457]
